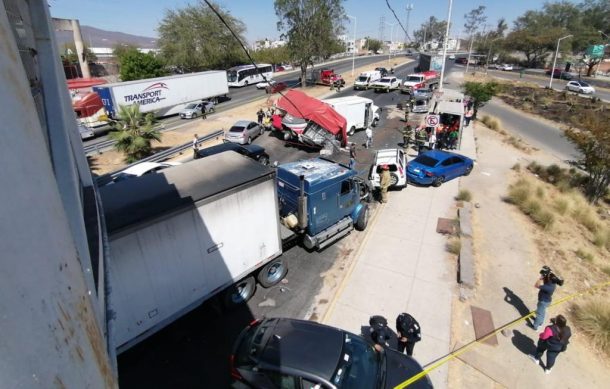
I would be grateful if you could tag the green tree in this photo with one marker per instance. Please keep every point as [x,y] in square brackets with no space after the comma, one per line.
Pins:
[133,132]
[194,39]
[273,55]
[480,92]
[432,29]
[135,65]
[373,45]
[71,56]
[312,27]
[474,19]
[594,145]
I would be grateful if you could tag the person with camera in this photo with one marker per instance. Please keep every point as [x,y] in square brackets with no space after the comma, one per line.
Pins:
[554,339]
[547,283]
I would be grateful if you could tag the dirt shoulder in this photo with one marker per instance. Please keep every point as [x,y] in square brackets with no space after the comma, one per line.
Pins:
[508,257]
[112,160]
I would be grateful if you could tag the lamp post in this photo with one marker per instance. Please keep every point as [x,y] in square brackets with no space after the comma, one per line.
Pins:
[555,61]
[391,39]
[354,50]
[440,84]
[489,53]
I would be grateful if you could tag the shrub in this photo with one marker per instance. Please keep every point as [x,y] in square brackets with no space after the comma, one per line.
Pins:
[540,192]
[606,269]
[516,167]
[580,253]
[586,217]
[592,316]
[600,238]
[561,206]
[454,245]
[543,218]
[490,122]
[464,195]
[531,207]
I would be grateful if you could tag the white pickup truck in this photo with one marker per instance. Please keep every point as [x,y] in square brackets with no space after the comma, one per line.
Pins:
[386,84]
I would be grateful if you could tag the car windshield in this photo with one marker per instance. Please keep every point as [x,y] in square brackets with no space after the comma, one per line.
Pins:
[191,106]
[359,366]
[362,78]
[582,83]
[237,129]
[232,76]
[384,80]
[426,160]
[413,78]
[123,176]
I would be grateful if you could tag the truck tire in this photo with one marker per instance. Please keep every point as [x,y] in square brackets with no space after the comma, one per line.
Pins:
[272,273]
[351,131]
[240,292]
[363,218]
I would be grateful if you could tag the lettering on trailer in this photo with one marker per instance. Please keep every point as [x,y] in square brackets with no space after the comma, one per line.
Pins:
[150,95]
[432,120]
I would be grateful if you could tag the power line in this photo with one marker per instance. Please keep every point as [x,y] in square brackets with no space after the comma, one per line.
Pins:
[396,17]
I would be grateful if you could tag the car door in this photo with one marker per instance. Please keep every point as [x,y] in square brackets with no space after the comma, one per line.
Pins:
[456,167]
[252,130]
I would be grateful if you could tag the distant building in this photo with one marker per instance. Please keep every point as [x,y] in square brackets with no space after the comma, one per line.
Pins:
[349,44]
[268,44]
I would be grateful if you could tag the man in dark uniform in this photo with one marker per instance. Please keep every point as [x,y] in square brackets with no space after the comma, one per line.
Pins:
[409,333]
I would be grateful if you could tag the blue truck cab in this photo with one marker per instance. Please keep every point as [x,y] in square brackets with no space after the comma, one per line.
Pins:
[321,200]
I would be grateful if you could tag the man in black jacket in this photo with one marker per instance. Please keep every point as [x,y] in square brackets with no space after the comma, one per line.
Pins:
[409,333]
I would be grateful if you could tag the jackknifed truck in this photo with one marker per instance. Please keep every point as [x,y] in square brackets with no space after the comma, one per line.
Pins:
[213,228]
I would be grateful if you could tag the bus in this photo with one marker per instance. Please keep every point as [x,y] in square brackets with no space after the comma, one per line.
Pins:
[245,75]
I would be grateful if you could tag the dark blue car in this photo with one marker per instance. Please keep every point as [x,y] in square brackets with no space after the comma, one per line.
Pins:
[436,166]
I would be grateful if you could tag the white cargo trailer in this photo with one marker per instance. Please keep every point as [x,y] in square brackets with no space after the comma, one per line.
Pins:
[359,112]
[164,95]
[187,233]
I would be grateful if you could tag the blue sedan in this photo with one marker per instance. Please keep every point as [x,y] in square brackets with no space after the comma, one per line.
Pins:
[436,166]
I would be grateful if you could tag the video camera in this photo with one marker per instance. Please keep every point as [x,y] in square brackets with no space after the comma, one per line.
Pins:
[547,273]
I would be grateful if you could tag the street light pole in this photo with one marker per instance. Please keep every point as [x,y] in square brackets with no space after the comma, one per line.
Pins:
[354,50]
[555,61]
[391,39]
[489,53]
[440,84]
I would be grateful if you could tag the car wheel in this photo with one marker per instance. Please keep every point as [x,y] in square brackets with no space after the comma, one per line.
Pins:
[263,160]
[351,131]
[262,131]
[375,122]
[581,91]
[246,83]
[468,170]
[393,179]
[272,273]
[363,218]
[438,181]
[239,292]
[194,116]
[249,140]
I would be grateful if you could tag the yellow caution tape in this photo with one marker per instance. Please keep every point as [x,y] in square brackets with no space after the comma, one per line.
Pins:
[467,346]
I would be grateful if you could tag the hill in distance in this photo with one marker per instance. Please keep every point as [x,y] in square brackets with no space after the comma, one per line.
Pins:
[95,37]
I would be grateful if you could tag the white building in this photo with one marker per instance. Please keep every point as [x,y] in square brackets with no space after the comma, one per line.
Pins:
[350,44]
[268,44]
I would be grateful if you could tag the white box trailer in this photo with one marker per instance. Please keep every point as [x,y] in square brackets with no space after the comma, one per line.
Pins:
[187,233]
[164,95]
[359,112]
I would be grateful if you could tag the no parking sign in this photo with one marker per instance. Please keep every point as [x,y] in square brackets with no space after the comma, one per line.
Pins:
[432,120]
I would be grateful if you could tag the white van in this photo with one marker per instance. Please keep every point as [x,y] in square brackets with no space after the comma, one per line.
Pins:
[365,79]
[359,112]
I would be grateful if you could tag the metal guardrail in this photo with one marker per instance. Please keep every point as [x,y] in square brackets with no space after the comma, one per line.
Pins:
[159,157]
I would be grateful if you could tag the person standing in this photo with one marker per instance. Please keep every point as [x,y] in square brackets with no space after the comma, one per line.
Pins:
[554,339]
[369,137]
[195,146]
[407,132]
[432,141]
[468,117]
[352,155]
[260,115]
[379,331]
[409,333]
[384,182]
[546,288]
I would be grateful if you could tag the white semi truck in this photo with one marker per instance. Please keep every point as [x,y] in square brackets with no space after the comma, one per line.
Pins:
[164,95]
[359,112]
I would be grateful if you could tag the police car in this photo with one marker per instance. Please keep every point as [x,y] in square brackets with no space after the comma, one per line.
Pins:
[396,159]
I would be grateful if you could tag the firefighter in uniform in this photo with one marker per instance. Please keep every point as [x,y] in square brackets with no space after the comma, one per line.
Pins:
[407,132]
[384,182]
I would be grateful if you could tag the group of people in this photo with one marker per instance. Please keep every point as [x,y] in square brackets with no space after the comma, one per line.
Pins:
[408,332]
[426,138]
[269,119]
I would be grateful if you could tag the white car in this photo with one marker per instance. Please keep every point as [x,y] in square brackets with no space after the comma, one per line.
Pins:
[580,87]
[506,67]
[396,159]
[386,84]
[192,110]
[264,84]
[142,169]
[287,67]
[452,56]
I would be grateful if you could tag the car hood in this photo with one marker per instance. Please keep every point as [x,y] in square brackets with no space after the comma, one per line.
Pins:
[190,110]
[400,368]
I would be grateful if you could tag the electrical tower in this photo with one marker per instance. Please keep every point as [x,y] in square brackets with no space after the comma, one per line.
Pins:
[409,9]
[381,27]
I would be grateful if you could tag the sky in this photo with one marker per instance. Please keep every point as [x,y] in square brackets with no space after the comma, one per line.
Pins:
[141,17]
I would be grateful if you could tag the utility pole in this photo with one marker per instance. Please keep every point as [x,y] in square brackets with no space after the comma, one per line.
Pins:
[440,84]
[409,9]
[354,51]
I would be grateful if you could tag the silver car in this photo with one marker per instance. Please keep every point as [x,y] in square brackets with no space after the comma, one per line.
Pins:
[192,110]
[243,132]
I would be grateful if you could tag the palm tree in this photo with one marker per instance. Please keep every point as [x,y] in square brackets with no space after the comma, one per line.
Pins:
[134,132]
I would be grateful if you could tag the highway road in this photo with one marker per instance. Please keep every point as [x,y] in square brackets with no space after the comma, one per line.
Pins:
[194,351]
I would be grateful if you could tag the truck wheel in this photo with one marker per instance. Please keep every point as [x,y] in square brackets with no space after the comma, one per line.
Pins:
[351,131]
[375,121]
[272,273]
[363,218]
[239,292]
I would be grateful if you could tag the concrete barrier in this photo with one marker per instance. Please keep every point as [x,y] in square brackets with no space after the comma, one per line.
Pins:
[466,266]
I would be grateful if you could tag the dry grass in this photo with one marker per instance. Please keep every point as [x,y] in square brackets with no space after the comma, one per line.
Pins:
[454,245]
[526,194]
[464,195]
[592,317]
[491,123]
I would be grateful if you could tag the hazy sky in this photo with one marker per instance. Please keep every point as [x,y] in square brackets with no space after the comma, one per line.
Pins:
[141,17]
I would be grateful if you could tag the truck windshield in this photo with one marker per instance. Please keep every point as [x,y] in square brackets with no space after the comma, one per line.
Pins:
[385,80]
[232,76]
[359,365]
[414,78]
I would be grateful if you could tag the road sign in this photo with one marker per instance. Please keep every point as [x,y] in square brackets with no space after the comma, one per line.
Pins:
[432,120]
